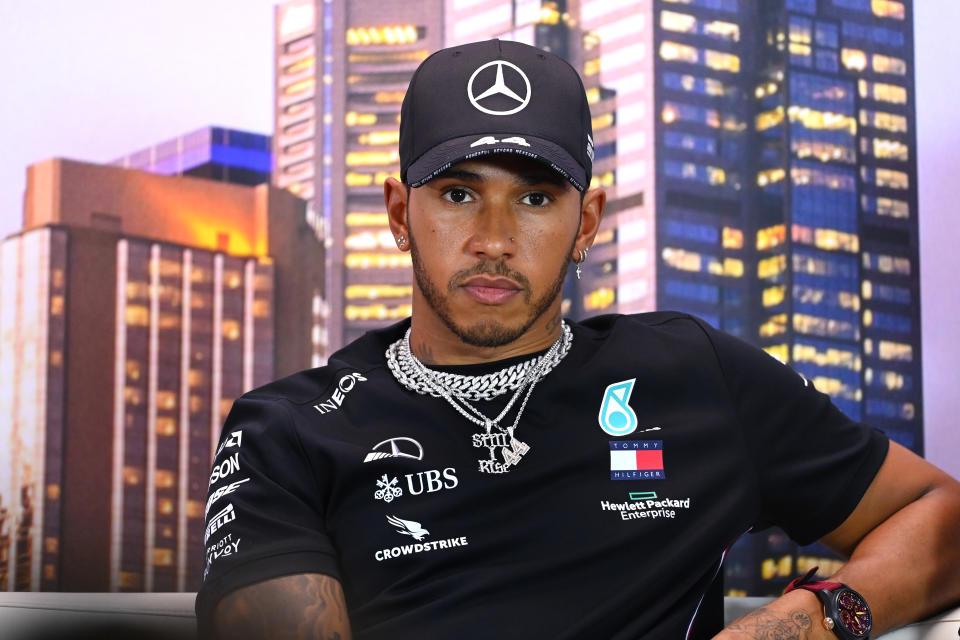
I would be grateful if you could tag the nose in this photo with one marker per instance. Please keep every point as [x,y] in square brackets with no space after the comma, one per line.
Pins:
[494,232]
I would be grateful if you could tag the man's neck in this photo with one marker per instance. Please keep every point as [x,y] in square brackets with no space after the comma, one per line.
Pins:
[435,345]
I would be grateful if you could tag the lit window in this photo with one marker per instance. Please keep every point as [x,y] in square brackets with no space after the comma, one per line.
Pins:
[130,581]
[768,119]
[893,208]
[379,138]
[889,64]
[888,9]
[166,399]
[352,118]
[774,326]
[883,92]
[365,158]
[770,177]
[732,238]
[367,220]
[231,329]
[137,315]
[722,61]
[133,369]
[163,557]
[601,298]
[889,350]
[682,22]
[853,59]
[377,312]
[892,179]
[132,475]
[301,86]
[373,292]
[890,149]
[132,396]
[166,426]
[679,52]
[53,492]
[772,296]
[778,351]
[300,66]
[771,267]
[164,479]
[398,35]
[681,259]
[194,509]
[377,260]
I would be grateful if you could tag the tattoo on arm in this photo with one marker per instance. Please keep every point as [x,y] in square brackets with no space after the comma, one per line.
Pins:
[289,608]
[764,624]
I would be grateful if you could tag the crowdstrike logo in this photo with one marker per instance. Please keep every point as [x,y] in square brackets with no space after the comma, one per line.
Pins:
[513,85]
[418,533]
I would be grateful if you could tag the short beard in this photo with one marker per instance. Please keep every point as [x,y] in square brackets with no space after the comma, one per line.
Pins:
[485,333]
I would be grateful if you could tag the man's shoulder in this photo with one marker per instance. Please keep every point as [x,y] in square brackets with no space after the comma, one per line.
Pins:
[356,360]
[668,321]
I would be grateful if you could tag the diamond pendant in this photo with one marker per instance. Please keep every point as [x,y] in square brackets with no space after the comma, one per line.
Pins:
[510,449]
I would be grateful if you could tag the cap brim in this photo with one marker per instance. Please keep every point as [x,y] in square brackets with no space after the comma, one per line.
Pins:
[446,154]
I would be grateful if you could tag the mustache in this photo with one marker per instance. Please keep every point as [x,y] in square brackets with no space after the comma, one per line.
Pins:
[489,268]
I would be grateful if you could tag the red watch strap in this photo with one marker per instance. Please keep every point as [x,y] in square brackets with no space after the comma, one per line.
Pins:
[804,582]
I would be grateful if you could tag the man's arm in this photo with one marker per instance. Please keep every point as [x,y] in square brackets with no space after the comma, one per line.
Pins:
[296,607]
[904,555]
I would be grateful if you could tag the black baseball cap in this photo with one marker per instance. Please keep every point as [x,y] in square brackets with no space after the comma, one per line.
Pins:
[496,96]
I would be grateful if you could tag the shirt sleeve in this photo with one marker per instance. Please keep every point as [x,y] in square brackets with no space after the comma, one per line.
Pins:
[813,462]
[264,515]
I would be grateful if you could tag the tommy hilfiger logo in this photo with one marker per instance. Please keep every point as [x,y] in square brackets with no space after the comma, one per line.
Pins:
[617,417]
[636,460]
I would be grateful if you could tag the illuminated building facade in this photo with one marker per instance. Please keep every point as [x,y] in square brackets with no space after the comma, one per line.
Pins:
[800,149]
[342,70]
[135,309]
[215,153]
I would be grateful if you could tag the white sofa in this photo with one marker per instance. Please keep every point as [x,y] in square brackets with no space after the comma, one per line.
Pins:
[169,616]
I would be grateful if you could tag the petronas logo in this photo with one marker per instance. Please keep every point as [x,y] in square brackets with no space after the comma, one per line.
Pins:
[617,418]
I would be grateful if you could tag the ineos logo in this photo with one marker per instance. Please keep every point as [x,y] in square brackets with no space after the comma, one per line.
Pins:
[500,87]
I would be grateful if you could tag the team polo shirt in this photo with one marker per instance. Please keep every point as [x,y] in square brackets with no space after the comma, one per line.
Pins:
[653,445]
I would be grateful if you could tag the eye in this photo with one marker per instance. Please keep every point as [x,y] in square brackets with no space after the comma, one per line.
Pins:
[457,195]
[536,199]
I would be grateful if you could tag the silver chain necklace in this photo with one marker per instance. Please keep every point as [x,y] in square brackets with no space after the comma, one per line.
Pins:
[457,389]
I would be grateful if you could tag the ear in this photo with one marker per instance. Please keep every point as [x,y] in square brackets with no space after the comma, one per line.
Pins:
[395,200]
[591,213]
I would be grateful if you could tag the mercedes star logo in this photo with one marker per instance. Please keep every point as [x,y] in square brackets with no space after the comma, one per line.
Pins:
[500,87]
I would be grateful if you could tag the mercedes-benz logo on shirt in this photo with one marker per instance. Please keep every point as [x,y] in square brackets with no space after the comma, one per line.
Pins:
[510,82]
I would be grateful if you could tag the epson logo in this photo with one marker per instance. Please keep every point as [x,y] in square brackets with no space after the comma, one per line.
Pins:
[225,468]
[223,491]
[222,518]
[344,386]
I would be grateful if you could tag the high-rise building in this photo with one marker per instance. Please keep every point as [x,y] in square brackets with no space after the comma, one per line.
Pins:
[134,308]
[342,71]
[215,153]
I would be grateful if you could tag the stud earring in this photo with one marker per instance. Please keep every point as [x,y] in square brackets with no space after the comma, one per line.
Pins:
[401,241]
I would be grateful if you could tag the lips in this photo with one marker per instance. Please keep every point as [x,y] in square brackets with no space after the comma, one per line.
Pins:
[491,290]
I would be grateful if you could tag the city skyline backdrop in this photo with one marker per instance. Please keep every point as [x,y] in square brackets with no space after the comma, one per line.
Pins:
[116,76]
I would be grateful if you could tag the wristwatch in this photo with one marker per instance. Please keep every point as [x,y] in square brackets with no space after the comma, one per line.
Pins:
[845,612]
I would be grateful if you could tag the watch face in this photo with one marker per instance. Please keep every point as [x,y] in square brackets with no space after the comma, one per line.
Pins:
[853,612]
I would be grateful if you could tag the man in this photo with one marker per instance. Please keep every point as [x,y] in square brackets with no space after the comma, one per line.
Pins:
[490,470]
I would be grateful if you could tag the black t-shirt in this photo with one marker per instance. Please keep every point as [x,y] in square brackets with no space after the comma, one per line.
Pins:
[654,444]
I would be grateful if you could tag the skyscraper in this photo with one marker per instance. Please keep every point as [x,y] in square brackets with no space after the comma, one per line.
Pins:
[134,309]
[342,70]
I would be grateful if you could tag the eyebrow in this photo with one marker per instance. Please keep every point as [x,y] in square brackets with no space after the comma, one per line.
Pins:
[529,179]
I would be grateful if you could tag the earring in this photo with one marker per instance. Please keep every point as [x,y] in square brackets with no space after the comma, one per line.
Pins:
[401,241]
[582,255]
